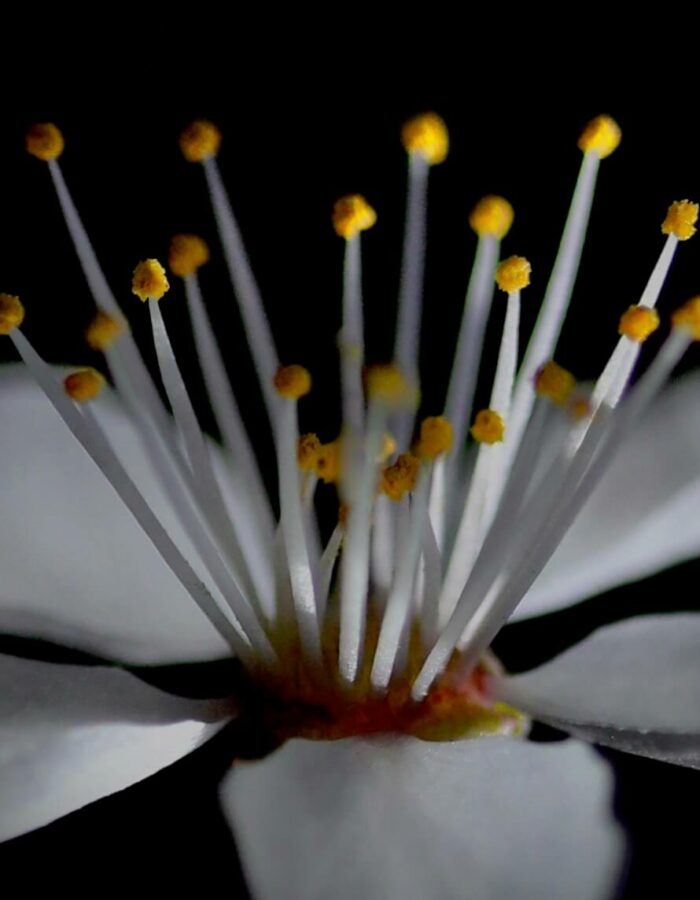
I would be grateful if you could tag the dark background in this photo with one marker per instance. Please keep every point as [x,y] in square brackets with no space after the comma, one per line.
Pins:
[287,155]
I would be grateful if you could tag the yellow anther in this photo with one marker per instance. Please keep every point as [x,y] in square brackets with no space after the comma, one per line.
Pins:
[602,135]
[328,461]
[351,215]
[44,141]
[400,478]
[387,385]
[513,274]
[11,313]
[104,330]
[200,140]
[427,136]
[292,382]
[388,447]
[579,408]
[149,281]
[638,322]
[488,427]
[307,452]
[680,219]
[687,318]
[187,253]
[435,437]
[492,217]
[83,385]
[554,382]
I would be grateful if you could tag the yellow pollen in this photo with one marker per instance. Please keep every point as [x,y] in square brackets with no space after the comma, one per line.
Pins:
[554,382]
[352,214]
[388,447]
[513,274]
[602,135]
[687,318]
[11,313]
[44,141]
[307,452]
[638,322]
[492,217]
[387,385]
[149,281]
[427,136]
[292,382]
[488,427]
[400,478]
[579,408]
[680,219]
[200,140]
[103,331]
[435,437]
[83,385]
[328,460]
[187,253]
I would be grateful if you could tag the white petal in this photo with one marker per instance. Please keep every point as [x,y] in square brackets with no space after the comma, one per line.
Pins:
[642,516]
[72,734]
[634,685]
[485,819]
[76,567]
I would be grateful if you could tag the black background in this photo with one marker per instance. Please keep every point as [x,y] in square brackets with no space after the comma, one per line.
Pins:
[288,153]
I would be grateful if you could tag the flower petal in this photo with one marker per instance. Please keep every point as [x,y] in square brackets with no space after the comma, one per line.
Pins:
[72,734]
[76,568]
[634,686]
[485,819]
[641,518]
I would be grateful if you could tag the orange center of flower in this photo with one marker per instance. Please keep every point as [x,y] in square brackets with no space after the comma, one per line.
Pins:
[301,702]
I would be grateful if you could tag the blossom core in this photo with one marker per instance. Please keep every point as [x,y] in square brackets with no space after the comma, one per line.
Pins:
[382,621]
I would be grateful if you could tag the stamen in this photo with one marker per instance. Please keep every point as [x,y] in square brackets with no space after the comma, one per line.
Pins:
[387,390]
[103,331]
[554,382]
[84,385]
[307,452]
[491,219]
[599,139]
[45,141]
[328,462]
[489,429]
[188,253]
[149,281]
[638,322]
[11,313]
[394,630]
[292,383]
[199,143]
[680,219]
[435,437]
[679,224]
[426,141]
[400,478]
[351,215]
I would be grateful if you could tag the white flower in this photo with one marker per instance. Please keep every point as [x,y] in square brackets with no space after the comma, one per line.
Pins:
[380,639]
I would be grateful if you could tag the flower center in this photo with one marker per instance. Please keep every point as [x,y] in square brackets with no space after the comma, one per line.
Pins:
[302,702]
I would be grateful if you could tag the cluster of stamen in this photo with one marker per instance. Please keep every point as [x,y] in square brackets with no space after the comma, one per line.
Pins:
[385,623]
